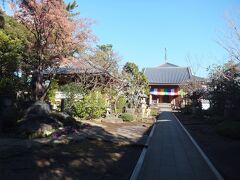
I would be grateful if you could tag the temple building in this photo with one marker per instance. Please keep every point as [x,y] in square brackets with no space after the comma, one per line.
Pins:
[165,81]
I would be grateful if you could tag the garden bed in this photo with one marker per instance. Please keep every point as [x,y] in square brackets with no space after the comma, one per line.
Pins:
[222,151]
[101,151]
[90,159]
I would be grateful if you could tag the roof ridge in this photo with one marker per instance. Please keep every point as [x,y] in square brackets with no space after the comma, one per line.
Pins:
[165,67]
[167,64]
[190,72]
[170,75]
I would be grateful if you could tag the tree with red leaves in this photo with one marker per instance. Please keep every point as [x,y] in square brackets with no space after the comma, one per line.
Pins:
[57,35]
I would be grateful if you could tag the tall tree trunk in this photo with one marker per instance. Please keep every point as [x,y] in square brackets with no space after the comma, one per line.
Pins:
[37,86]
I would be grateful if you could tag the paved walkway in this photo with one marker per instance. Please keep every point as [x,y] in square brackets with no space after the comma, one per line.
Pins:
[172,155]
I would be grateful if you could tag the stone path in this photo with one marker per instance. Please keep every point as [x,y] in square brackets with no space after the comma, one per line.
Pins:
[172,155]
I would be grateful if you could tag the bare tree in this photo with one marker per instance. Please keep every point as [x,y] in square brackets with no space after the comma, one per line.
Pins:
[231,40]
[193,63]
[98,70]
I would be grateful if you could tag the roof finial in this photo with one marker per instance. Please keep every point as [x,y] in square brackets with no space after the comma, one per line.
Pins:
[165,55]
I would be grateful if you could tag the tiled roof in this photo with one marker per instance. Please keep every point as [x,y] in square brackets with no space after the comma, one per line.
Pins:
[167,74]
[77,66]
[167,65]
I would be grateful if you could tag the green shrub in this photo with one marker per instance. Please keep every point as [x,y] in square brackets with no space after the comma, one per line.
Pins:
[120,104]
[72,90]
[229,129]
[127,117]
[154,112]
[91,106]
[52,91]
[69,106]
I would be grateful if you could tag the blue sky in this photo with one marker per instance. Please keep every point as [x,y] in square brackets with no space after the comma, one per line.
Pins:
[140,29]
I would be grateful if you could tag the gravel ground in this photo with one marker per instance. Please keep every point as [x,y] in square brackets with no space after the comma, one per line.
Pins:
[102,151]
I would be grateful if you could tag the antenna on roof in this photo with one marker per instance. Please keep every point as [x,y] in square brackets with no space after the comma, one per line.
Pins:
[165,55]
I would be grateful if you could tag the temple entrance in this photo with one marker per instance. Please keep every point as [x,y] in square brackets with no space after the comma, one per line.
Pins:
[166,99]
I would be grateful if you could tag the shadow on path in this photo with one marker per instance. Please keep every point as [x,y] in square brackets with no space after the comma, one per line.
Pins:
[172,155]
[93,157]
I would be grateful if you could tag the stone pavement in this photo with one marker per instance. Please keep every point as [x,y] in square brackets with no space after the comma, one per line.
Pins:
[172,155]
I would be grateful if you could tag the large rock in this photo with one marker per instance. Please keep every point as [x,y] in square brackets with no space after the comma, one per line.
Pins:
[38,109]
[38,121]
[36,129]
[65,119]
